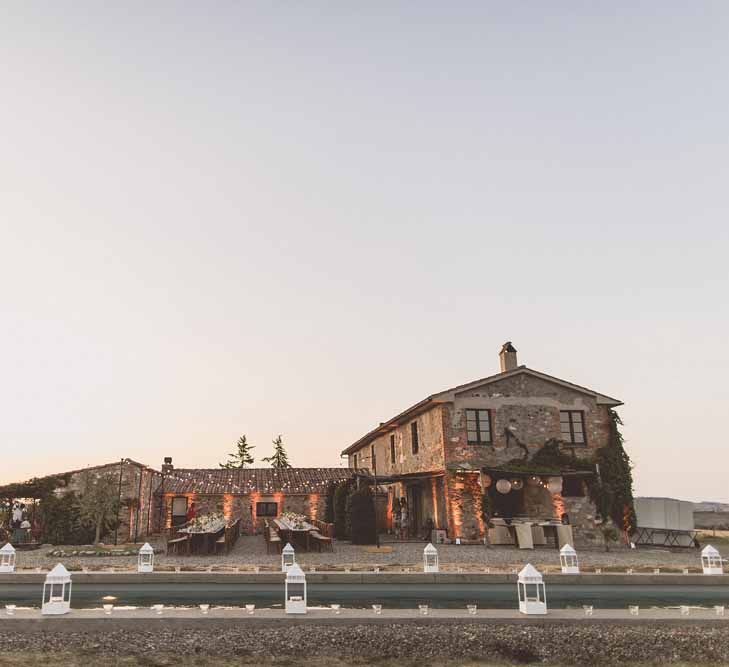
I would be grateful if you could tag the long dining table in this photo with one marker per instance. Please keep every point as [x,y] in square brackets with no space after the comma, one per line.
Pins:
[298,533]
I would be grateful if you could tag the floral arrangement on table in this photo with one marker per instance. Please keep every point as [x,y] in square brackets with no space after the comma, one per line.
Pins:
[296,521]
[206,523]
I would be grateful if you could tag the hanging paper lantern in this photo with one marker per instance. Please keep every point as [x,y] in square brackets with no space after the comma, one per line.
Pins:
[517,484]
[503,486]
[533,481]
[485,480]
[554,485]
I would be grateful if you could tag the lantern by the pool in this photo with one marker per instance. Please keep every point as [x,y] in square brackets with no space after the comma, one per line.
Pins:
[568,560]
[288,557]
[145,559]
[711,561]
[295,590]
[532,594]
[57,592]
[430,559]
[7,558]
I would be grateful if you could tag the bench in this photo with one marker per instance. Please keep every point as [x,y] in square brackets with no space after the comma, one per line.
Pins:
[179,545]
[273,541]
[324,528]
[322,542]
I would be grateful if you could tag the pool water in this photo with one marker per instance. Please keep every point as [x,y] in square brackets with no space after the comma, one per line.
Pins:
[403,596]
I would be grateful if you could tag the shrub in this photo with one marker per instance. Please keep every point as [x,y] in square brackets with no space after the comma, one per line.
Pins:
[340,510]
[362,517]
[61,521]
[329,503]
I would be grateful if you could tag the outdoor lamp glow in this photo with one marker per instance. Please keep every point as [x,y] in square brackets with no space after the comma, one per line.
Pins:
[295,590]
[532,594]
[711,561]
[7,558]
[430,559]
[145,559]
[568,560]
[57,592]
[288,557]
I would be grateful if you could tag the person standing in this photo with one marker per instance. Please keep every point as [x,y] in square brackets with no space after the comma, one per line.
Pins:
[396,517]
[403,519]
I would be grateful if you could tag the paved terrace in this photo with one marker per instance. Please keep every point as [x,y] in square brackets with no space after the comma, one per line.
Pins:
[250,552]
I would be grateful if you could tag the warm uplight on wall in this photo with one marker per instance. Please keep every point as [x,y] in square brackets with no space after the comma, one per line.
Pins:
[433,489]
[228,506]
[313,505]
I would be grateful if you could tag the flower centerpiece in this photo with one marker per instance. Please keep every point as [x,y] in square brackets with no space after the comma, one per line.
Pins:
[207,523]
[296,521]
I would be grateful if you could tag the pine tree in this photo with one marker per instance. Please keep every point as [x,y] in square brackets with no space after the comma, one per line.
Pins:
[279,458]
[241,458]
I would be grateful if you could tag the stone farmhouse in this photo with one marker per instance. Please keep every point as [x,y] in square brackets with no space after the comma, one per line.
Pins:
[470,446]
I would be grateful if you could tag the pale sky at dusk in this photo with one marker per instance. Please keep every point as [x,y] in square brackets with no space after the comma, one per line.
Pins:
[301,218]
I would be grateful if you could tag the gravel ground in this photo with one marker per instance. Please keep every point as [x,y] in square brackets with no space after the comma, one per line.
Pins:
[250,551]
[556,644]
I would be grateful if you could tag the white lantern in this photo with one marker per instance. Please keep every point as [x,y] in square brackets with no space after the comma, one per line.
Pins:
[57,592]
[711,561]
[532,594]
[485,480]
[145,561]
[430,559]
[503,486]
[295,591]
[7,558]
[288,557]
[568,560]
[554,485]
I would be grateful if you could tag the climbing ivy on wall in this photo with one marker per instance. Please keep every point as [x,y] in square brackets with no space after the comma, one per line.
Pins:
[612,492]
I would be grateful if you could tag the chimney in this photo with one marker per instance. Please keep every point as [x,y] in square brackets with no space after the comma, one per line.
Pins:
[507,357]
[167,466]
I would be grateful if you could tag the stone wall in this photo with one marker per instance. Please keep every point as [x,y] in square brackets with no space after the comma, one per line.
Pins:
[137,484]
[430,447]
[243,507]
[530,407]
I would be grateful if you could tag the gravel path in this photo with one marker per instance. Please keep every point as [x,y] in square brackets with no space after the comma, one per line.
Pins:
[250,551]
[575,645]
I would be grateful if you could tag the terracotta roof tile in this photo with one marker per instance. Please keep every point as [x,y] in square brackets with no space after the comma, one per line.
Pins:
[212,481]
